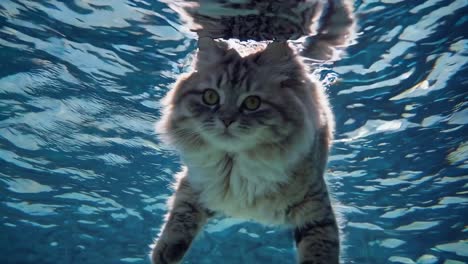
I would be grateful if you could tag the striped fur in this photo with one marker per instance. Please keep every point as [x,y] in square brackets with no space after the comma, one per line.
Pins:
[267,165]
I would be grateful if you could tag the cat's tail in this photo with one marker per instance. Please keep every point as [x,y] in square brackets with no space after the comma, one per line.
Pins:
[337,31]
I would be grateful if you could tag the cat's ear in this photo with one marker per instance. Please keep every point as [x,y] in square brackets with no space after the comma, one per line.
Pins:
[279,60]
[276,52]
[210,51]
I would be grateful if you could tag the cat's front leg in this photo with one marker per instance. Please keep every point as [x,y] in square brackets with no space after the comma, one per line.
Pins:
[184,221]
[317,242]
[315,229]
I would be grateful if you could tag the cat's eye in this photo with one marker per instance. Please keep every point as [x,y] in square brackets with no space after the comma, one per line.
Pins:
[210,97]
[252,102]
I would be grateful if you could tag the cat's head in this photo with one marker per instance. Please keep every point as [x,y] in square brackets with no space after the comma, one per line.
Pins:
[235,103]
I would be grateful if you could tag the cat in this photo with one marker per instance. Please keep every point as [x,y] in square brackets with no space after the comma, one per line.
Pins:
[325,26]
[254,132]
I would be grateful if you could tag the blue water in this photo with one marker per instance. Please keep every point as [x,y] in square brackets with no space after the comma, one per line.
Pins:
[83,178]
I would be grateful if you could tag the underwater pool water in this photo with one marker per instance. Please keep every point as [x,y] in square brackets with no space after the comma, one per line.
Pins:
[83,178]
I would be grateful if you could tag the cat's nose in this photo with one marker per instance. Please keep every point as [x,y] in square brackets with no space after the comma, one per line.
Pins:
[227,121]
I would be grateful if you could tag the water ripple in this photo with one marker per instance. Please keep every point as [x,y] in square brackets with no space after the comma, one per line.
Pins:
[84,179]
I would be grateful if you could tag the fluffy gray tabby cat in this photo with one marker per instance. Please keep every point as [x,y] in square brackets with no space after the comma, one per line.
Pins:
[254,132]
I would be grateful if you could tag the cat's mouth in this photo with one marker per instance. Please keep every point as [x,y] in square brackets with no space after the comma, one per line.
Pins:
[227,134]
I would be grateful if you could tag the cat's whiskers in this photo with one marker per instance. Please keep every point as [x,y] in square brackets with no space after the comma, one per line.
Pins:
[184,137]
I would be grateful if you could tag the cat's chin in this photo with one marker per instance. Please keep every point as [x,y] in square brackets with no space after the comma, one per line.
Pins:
[228,141]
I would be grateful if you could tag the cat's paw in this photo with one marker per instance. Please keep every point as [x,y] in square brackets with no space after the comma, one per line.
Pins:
[169,253]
